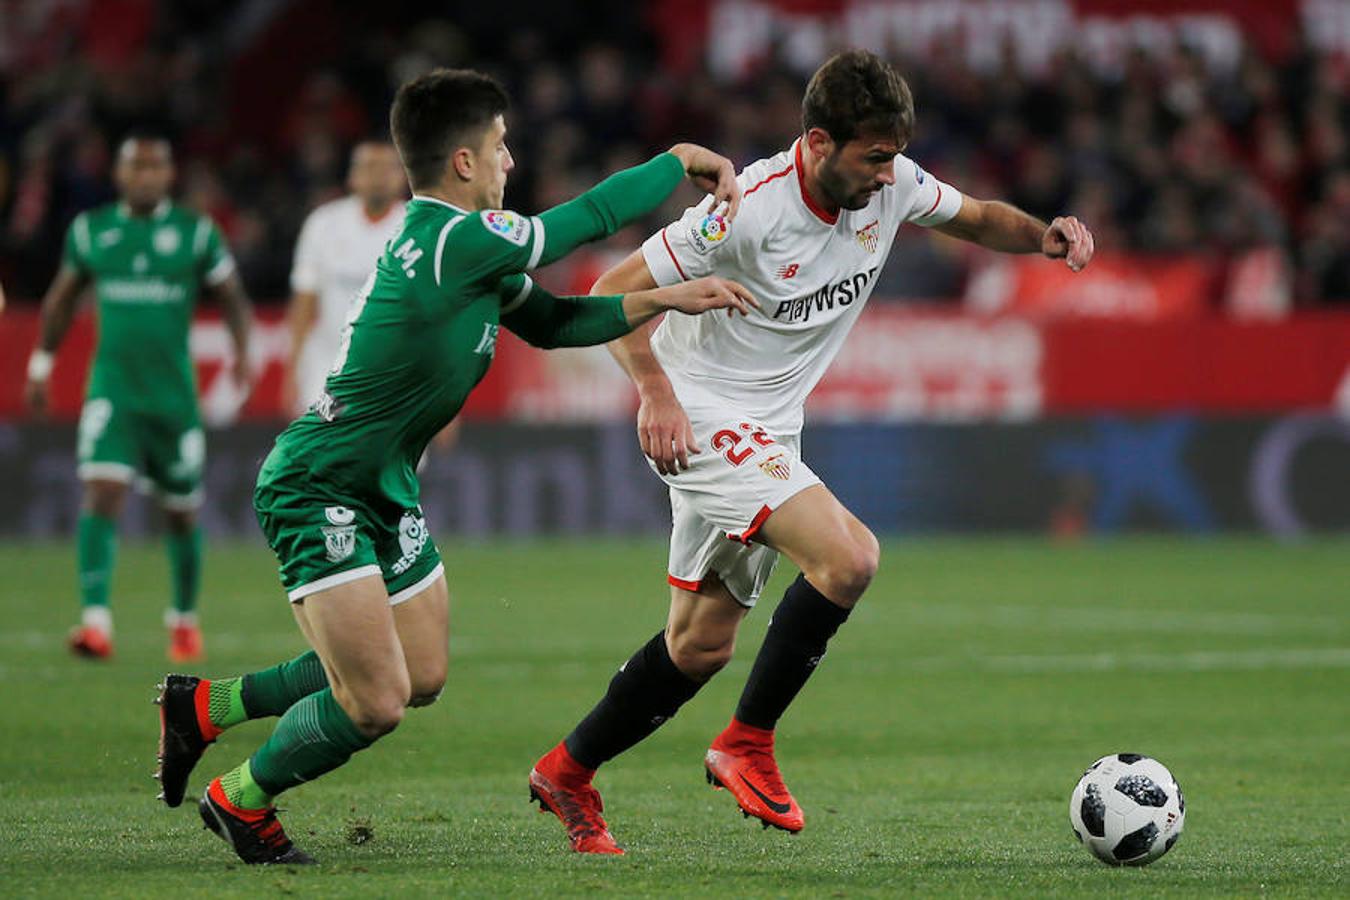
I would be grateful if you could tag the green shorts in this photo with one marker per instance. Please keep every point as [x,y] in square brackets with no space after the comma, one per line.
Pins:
[324,541]
[119,444]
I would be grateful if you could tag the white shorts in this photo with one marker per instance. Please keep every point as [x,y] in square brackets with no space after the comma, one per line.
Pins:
[720,502]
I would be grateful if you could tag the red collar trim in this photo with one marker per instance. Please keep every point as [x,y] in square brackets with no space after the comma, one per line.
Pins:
[820,214]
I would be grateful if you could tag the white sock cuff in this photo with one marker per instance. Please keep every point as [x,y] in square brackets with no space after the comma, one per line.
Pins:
[99,617]
[173,618]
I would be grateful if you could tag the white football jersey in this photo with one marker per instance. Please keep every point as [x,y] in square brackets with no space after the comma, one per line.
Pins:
[337,250]
[811,272]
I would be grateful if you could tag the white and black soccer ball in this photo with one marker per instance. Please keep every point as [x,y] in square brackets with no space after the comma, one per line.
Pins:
[1127,809]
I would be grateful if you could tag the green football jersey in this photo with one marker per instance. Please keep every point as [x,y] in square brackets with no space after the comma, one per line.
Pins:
[423,330]
[147,272]
[419,335]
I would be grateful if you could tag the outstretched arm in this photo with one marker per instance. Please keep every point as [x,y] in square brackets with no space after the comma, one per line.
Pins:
[549,321]
[626,196]
[1000,226]
[493,244]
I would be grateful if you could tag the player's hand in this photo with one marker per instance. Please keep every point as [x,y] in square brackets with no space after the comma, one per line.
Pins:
[243,374]
[714,174]
[664,432]
[704,294]
[1068,239]
[35,396]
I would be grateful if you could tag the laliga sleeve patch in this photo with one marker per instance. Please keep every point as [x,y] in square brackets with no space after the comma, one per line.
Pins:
[507,225]
[707,233]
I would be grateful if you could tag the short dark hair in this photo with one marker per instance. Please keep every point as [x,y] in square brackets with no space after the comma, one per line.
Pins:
[439,112]
[856,92]
[144,135]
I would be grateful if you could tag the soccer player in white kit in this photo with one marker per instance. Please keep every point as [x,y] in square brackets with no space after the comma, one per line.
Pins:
[338,247]
[721,417]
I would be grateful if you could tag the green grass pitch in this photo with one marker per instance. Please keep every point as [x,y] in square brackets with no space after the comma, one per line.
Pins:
[934,751]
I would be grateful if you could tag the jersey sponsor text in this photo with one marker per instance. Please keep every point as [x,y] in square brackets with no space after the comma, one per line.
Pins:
[799,309]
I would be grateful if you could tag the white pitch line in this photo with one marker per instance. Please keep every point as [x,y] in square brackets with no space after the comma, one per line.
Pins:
[1187,661]
[1118,618]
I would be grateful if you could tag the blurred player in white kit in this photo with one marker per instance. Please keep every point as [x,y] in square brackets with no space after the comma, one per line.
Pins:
[337,249]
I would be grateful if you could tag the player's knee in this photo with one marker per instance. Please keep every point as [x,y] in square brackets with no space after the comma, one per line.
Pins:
[104,498]
[426,687]
[700,656]
[868,559]
[379,712]
[850,568]
[424,698]
[106,507]
[180,521]
[381,717]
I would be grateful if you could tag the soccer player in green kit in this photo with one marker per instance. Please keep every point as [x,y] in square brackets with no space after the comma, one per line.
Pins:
[338,495]
[148,260]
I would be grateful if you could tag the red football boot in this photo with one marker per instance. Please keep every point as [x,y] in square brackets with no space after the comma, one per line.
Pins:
[185,644]
[90,642]
[562,786]
[255,835]
[185,731]
[741,760]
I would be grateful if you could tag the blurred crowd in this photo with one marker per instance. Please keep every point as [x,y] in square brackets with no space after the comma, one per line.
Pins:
[264,100]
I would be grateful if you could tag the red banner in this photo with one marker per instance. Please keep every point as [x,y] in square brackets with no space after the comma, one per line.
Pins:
[1208,365]
[903,364]
[898,364]
[1114,286]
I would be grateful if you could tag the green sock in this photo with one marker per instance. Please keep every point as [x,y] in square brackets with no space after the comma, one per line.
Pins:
[267,693]
[273,691]
[241,790]
[313,737]
[225,705]
[185,562]
[96,549]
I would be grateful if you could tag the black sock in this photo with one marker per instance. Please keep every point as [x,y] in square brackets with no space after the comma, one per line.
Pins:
[801,626]
[647,690]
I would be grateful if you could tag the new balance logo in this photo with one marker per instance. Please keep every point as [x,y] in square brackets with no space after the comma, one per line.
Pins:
[786,272]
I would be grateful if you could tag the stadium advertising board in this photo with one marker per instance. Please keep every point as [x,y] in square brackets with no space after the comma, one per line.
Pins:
[898,365]
[1070,476]
[1115,286]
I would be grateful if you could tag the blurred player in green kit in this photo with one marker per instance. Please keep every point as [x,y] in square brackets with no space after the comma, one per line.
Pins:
[338,497]
[148,260]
